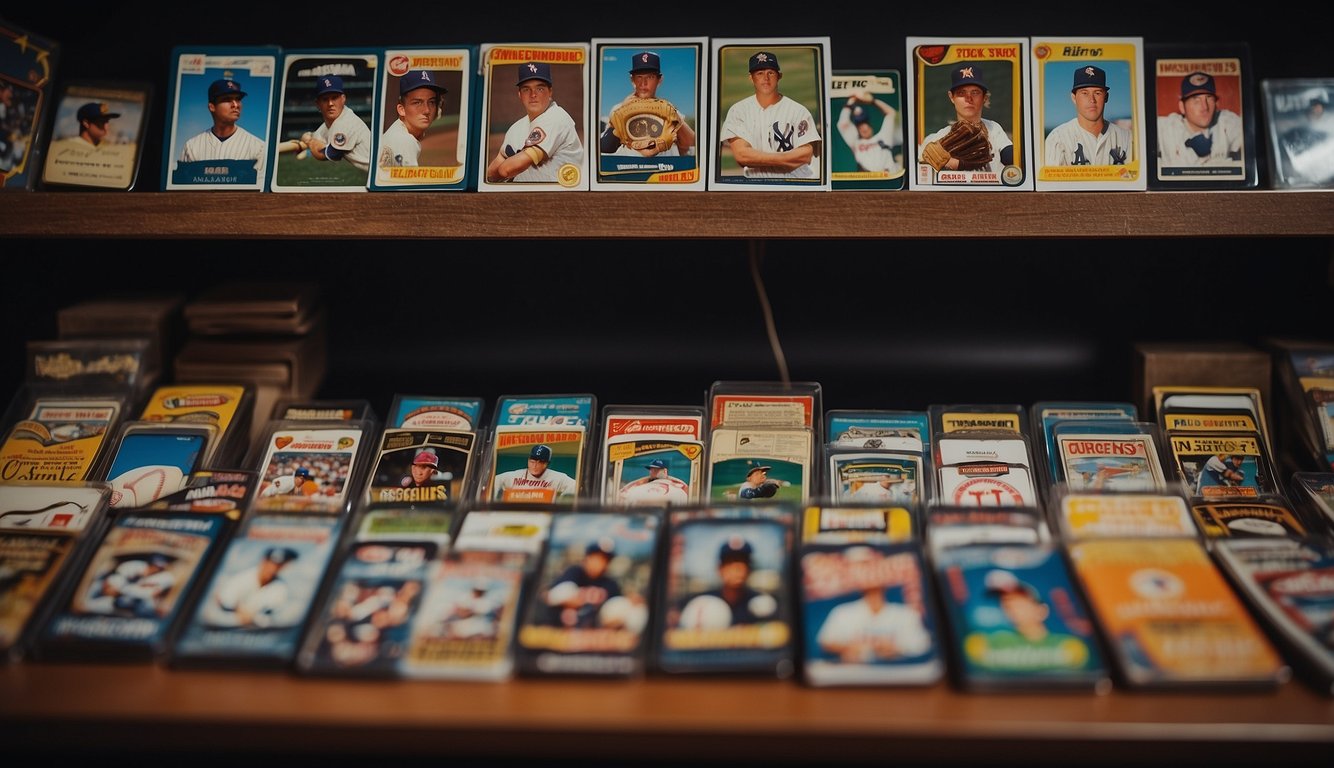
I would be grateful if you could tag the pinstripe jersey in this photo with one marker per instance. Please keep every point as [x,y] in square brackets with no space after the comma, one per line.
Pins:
[779,127]
[242,145]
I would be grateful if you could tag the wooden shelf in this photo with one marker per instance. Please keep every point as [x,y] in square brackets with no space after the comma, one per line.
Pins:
[685,215]
[136,707]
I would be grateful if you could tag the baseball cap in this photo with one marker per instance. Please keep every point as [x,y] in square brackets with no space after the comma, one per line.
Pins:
[418,78]
[426,457]
[302,472]
[604,546]
[1089,76]
[1005,583]
[735,549]
[859,115]
[540,452]
[764,60]
[534,70]
[967,73]
[225,87]
[280,555]
[753,470]
[328,84]
[159,559]
[96,110]
[656,464]
[1197,82]
[645,61]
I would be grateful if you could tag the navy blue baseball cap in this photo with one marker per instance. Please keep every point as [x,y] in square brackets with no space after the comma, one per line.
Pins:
[225,87]
[604,546]
[280,555]
[1090,77]
[645,61]
[1197,82]
[96,111]
[328,84]
[656,464]
[859,115]
[159,559]
[540,452]
[302,472]
[967,73]
[534,70]
[418,78]
[735,549]
[764,60]
[753,470]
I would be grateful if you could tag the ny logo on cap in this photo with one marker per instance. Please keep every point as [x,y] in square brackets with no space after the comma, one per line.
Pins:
[1088,71]
[762,57]
[966,72]
[532,67]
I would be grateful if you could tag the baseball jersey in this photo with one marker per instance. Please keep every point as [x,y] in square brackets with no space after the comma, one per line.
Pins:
[995,134]
[349,138]
[873,492]
[283,485]
[592,592]
[398,147]
[780,127]
[875,153]
[555,134]
[518,485]
[242,593]
[1221,143]
[130,587]
[1069,144]
[241,145]
[855,624]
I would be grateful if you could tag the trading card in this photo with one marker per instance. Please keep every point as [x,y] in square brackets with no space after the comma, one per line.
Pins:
[128,597]
[1265,516]
[650,111]
[852,522]
[760,465]
[1016,619]
[1204,132]
[745,410]
[726,605]
[154,460]
[537,465]
[1101,461]
[288,409]
[1169,617]
[1195,419]
[976,418]
[261,592]
[27,75]
[522,533]
[1220,401]
[91,364]
[425,118]
[98,136]
[869,118]
[535,133]
[652,459]
[867,616]
[968,113]
[323,143]
[1130,515]
[589,614]
[878,430]
[219,118]
[1047,415]
[948,527]
[987,485]
[465,627]
[211,490]
[1222,465]
[1088,114]
[1317,489]
[405,520]
[423,412]
[875,478]
[51,507]
[769,114]
[308,469]
[215,404]
[421,466]
[58,440]
[1300,127]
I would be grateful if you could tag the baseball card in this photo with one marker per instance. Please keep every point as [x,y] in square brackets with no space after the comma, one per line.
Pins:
[538,466]
[521,534]
[58,439]
[1124,515]
[878,430]
[216,405]
[948,527]
[764,465]
[1316,491]
[98,136]
[1016,620]
[27,75]
[883,477]
[1088,114]
[1211,409]
[1204,132]
[423,412]
[868,110]
[465,627]
[422,466]
[92,364]
[976,418]
[211,490]
[867,616]
[968,114]
[857,522]
[154,460]
[650,108]
[1047,414]
[755,410]
[323,142]
[425,119]
[769,114]
[300,409]
[982,471]
[1300,128]
[590,610]
[1102,461]
[1169,618]
[260,593]
[51,507]
[1265,516]
[1226,465]
[308,468]
[726,605]
[535,111]
[219,117]
[652,458]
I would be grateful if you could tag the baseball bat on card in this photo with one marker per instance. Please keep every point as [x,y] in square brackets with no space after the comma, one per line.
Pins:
[291,145]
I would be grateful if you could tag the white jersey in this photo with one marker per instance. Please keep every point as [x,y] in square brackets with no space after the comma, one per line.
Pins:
[130,587]
[780,127]
[242,597]
[995,134]
[398,147]
[854,624]
[241,145]
[284,484]
[895,493]
[1225,141]
[877,152]
[349,135]
[555,134]
[519,485]
[1069,144]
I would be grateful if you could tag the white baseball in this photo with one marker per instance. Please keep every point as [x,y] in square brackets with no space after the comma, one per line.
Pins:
[142,485]
[621,612]
[706,612]
[763,606]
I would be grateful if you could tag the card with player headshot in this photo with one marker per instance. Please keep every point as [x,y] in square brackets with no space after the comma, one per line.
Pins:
[309,466]
[1088,114]
[868,116]
[424,119]
[1300,128]
[1204,133]
[652,457]
[422,466]
[650,107]
[323,141]
[539,449]
[882,477]
[769,114]
[535,133]
[27,75]
[760,465]
[968,114]
[98,135]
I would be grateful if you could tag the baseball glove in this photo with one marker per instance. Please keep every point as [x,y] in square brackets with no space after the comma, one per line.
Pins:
[966,141]
[645,124]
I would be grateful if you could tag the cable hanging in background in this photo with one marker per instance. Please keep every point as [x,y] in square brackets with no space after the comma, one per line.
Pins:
[756,248]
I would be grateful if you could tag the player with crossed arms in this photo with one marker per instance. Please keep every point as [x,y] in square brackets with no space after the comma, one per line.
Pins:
[771,136]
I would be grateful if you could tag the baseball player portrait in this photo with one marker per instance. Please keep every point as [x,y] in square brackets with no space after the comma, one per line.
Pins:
[770,135]
[870,629]
[541,142]
[664,132]
[535,482]
[420,100]
[949,149]
[133,587]
[886,487]
[254,597]
[1200,132]
[575,597]
[226,139]
[743,603]
[343,135]
[657,487]
[873,149]
[93,119]
[1089,138]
